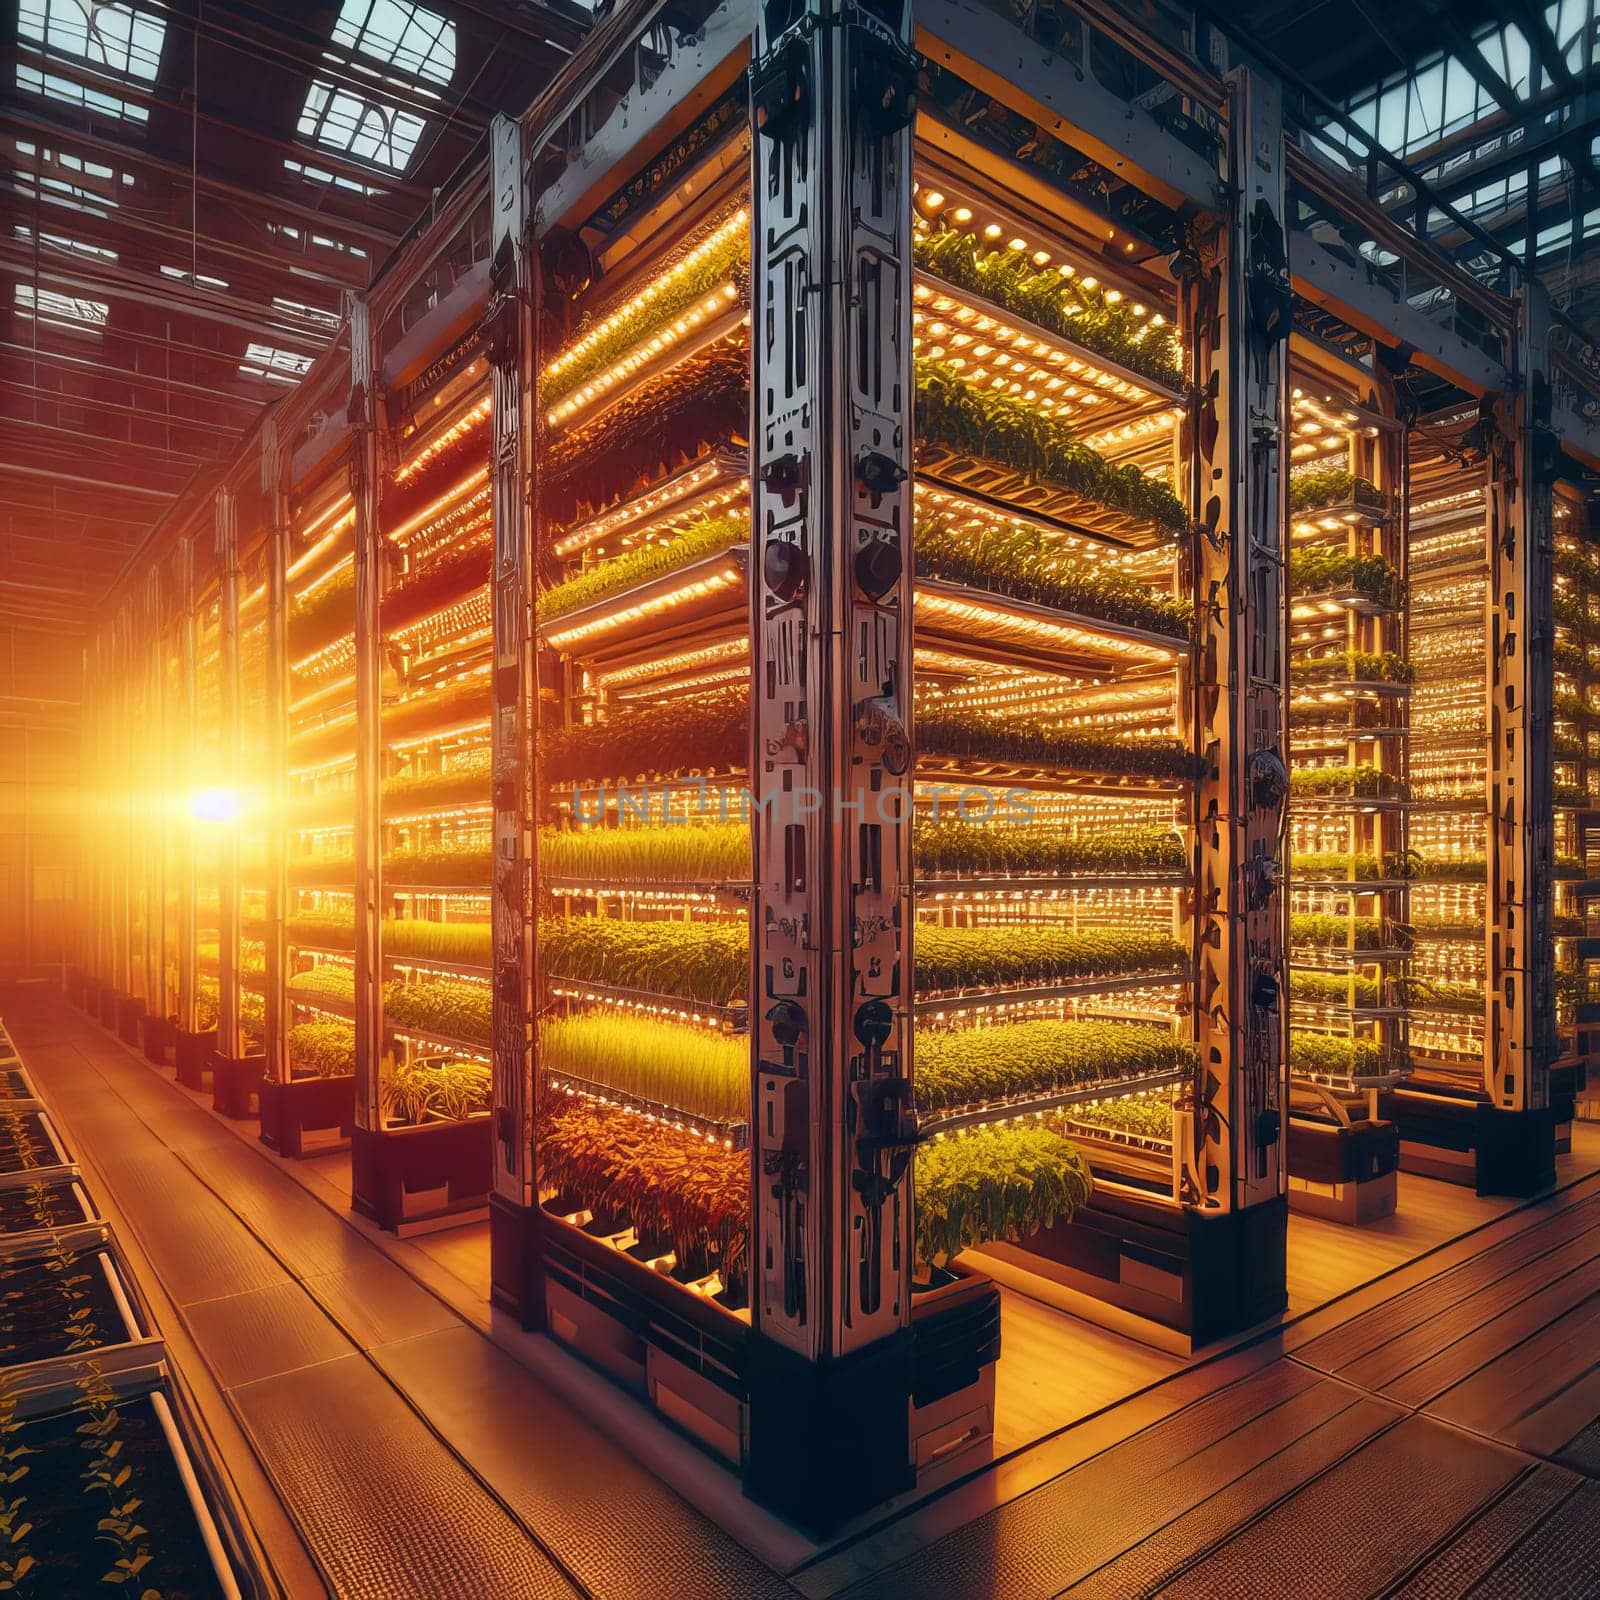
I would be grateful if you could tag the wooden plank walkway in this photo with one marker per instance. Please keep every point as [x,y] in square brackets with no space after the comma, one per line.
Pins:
[1430,1434]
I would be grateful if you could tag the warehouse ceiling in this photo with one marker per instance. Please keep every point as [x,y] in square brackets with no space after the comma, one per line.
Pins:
[193,185]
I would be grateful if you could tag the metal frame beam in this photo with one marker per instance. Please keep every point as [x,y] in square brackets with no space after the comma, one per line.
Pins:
[275,496]
[833,1120]
[369,584]
[1236,305]
[227,547]
[1520,973]
[515,1280]
[981,47]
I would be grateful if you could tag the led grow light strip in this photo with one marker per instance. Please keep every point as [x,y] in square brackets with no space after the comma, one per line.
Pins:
[472,419]
[704,489]
[684,267]
[690,322]
[623,616]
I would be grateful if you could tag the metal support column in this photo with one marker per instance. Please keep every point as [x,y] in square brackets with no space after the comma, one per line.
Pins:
[834,1127]
[154,820]
[1236,300]
[369,730]
[189,717]
[1516,1131]
[228,1030]
[515,1279]
[274,473]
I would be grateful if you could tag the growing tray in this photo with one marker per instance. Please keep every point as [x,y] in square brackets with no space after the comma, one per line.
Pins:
[27,1142]
[60,1304]
[76,1497]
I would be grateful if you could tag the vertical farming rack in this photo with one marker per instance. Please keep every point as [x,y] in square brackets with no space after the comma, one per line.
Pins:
[864,680]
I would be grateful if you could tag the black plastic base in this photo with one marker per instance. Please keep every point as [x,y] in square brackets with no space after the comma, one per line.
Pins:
[236,1085]
[516,1262]
[191,1055]
[412,1175]
[106,1011]
[157,1037]
[289,1111]
[828,1442]
[1321,1153]
[1516,1151]
[129,1013]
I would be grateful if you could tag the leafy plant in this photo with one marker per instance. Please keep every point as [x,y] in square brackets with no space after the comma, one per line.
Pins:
[1438,994]
[322,1049]
[449,1088]
[460,865]
[696,1070]
[1008,956]
[975,1066]
[1022,741]
[702,269]
[1358,666]
[703,733]
[1066,305]
[317,619]
[671,1183]
[1333,989]
[997,427]
[705,961]
[1359,867]
[1021,562]
[688,852]
[1321,930]
[949,845]
[995,1183]
[1360,782]
[641,565]
[1322,568]
[1141,1115]
[1333,1056]
[704,400]
[1330,486]
[449,1006]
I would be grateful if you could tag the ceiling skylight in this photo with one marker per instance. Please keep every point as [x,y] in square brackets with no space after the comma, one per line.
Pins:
[59,241]
[267,361]
[48,306]
[366,129]
[421,44]
[111,39]
[199,279]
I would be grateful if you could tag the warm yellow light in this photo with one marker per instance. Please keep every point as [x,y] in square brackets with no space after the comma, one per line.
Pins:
[214,805]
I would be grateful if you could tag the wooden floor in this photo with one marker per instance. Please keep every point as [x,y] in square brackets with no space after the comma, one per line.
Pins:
[1057,1369]
[1424,1423]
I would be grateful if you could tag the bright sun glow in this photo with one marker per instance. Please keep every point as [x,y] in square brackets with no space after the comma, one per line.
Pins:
[214,805]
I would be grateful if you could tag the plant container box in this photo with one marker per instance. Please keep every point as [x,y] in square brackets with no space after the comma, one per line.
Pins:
[1169,1275]
[681,1351]
[76,1481]
[14,1083]
[955,1327]
[289,1111]
[408,1177]
[236,1085]
[1347,1174]
[129,1011]
[191,1055]
[42,1207]
[157,1038]
[62,1304]
[28,1142]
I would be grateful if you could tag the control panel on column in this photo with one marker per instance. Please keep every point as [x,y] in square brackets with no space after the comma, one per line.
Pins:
[1521,625]
[1238,299]
[512,868]
[834,1127]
